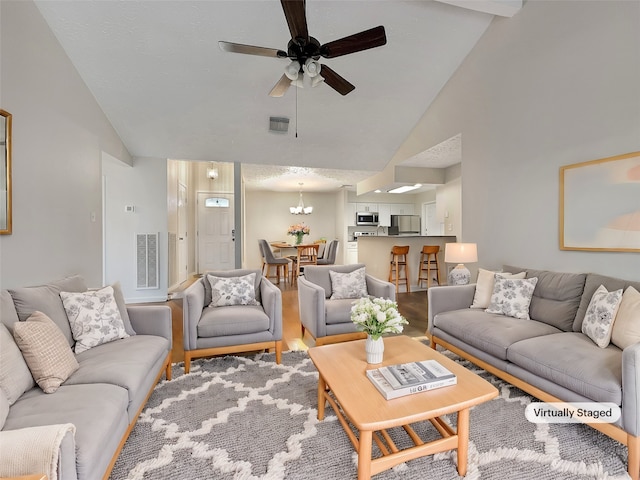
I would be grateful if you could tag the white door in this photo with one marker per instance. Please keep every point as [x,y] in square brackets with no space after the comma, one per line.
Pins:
[183,247]
[216,248]
[431,224]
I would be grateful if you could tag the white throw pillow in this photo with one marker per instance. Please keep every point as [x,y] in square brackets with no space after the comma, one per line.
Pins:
[484,286]
[626,326]
[512,296]
[94,318]
[348,285]
[227,291]
[601,313]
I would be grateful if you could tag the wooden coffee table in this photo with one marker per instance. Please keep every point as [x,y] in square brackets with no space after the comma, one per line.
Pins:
[343,383]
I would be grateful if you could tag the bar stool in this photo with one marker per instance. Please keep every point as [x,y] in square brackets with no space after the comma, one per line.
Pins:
[429,262]
[398,265]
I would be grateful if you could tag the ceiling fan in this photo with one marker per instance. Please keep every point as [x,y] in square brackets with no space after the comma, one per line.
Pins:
[304,51]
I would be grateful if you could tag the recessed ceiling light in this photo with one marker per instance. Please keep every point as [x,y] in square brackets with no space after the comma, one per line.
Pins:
[405,188]
[377,191]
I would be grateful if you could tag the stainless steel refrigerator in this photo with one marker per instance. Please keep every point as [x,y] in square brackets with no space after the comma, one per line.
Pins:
[405,224]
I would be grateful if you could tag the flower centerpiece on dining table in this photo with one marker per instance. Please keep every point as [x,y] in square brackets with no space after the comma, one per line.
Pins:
[375,317]
[298,230]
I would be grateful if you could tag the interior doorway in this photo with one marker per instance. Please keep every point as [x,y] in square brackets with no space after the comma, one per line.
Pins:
[431,225]
[183,229]
[216,231]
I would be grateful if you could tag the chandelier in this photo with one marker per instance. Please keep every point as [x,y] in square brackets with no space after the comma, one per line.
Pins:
[300,209]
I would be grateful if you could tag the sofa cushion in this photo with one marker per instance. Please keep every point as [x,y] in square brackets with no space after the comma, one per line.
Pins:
[556,296]
[15,377]
[593,281]
[626,328]
[348,285]
[233,320]
[4,408]
[122,307]
[46,351]
[227,274]
[484,286]
[598,321]
[228,291]
[46,299]
[571,360]
[338,311]
[8,314]
[320,274]
[94,317]
[97,410]
[128,363]
[512,296]
[489,332]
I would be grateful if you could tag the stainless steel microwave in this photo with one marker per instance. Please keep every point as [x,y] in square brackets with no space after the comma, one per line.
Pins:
[367,218]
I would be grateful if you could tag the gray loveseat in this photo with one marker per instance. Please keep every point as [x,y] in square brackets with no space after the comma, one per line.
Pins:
[547,356]
[102,398]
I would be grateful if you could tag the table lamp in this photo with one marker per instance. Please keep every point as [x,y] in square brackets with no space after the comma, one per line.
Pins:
[460,253]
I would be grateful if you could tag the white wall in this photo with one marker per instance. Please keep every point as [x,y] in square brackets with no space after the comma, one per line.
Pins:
[59,134]
[554,85]
[268,217]
[143,186]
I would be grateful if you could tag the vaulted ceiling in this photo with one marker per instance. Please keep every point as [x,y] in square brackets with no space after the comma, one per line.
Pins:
[156,70]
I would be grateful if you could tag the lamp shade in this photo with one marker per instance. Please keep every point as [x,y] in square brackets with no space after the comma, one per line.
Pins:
[460,253]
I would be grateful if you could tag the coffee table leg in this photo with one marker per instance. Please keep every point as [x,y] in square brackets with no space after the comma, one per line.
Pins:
[364,455]
[322,388]
[463,441]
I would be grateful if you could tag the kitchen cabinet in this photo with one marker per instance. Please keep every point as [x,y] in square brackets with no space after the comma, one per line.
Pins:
[367,207]
[352,208]
[352,253]
[402,209]
[384,214]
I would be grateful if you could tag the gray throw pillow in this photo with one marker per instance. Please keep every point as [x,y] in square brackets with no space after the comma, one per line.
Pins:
[227,291]
[15,377]
[512,297]
[348,285]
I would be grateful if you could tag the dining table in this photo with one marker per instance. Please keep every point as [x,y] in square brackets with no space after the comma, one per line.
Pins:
[295,258]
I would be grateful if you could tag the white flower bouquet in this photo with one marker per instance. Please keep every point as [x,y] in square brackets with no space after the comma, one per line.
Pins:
[377,316]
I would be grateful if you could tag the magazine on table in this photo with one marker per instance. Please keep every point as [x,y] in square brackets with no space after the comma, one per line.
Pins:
[408,378]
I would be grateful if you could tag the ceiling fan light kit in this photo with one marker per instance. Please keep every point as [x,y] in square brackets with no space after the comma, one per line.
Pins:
[304,52]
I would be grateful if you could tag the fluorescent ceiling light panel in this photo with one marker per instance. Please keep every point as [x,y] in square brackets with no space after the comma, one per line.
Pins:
[405,188]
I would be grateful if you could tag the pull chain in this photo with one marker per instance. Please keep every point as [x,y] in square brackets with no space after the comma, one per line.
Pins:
[296,112]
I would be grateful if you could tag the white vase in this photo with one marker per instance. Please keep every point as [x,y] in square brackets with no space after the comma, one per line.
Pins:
[374,349]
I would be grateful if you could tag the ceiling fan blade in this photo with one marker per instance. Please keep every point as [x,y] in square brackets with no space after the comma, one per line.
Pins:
[374,37]
[252,50]
[294,12]
[281,87]
[335,81]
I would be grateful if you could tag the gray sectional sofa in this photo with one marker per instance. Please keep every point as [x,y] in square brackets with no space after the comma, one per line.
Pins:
[99,402]
[547,355]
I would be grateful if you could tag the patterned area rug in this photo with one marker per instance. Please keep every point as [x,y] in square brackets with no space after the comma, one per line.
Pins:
[249,418]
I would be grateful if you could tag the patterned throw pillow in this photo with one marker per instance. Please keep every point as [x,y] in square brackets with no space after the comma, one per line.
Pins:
[226,291]
[626,327]
[601,312]
[348,285]
[512,297]
[484,286]
[94,318]
[46,351]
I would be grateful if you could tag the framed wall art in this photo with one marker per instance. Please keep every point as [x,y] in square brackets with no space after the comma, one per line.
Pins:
[600,204]
[5,173]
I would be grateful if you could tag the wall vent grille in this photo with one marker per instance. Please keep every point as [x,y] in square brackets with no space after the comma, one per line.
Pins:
[147,275]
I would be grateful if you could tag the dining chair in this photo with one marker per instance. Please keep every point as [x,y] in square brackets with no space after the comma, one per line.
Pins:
[307,255]
[330,254]
[270,260]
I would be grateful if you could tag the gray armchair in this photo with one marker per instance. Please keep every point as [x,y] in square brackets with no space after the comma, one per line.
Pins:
[231,329]
[327,320]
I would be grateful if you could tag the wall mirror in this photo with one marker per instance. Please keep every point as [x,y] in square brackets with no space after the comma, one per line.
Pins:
[5,172]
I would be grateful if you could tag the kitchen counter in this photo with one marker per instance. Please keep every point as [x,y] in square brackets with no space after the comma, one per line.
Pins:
[374,252]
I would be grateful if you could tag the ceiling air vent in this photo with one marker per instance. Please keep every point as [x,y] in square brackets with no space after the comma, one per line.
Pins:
[278,124]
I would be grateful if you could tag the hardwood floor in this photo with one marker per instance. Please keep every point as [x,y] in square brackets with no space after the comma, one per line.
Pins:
[413,306]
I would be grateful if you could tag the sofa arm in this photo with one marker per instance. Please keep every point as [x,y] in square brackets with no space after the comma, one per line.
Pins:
[447,298]
[311,305]
[151,320]
[631,389]
[271,297]
[46,449]
[380,288]
[192,306]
